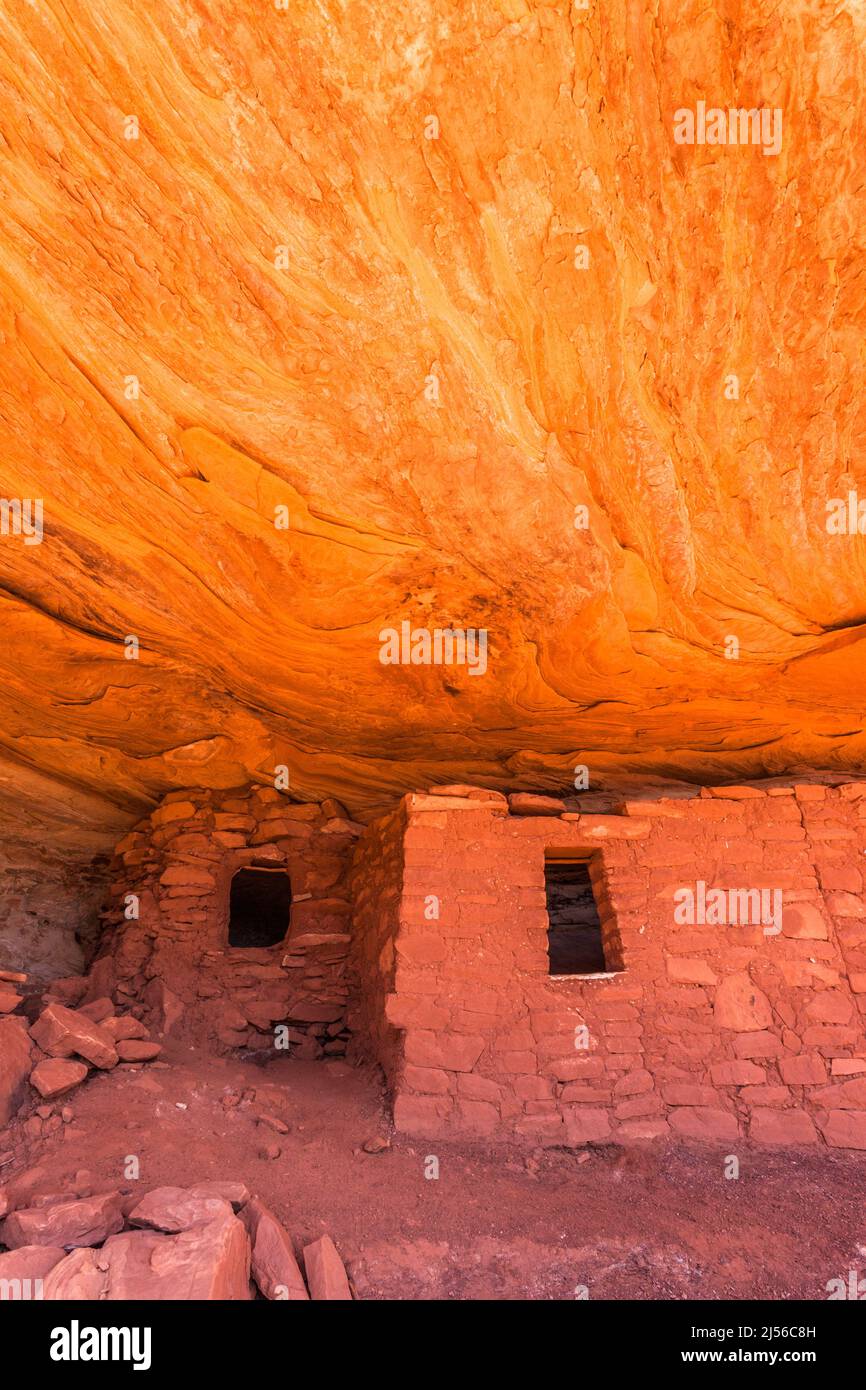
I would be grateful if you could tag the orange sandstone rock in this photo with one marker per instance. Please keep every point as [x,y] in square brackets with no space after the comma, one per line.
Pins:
[326,1275]
[306,335]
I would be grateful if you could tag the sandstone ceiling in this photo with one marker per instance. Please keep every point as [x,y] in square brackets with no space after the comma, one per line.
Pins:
[243,248]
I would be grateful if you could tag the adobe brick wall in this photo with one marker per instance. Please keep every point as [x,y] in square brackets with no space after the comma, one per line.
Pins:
[173,965]
[709,1032]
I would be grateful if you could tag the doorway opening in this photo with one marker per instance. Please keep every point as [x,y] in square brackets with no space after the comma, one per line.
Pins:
[260,905]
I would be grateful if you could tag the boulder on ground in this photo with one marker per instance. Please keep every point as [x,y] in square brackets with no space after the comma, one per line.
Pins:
[274,1266]
[29,1262]
[98,1010]
[69,989]
[53,1076]
[210,1262]
[124,1027]
[206,1262]
[177,1209]
[326,1274]
[137,1050]
[85,1221]
[63,1032]
[77,1277]
[235,1192]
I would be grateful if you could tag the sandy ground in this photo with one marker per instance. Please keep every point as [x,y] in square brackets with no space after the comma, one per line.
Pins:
[654,1222]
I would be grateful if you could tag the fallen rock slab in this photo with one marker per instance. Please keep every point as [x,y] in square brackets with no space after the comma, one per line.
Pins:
[97,1010]
[207,1262]
[68,990]
[63,1032]
[85,1221]
[55,1075]
[466,792]
[9,1000]
[16,1061]
[177,1209]
[532,804]
[237,1193]
[275,1269]
[273,1122]
[326,1274]
[27,1264]
[137,1050]
[124,1027]
[78,1277]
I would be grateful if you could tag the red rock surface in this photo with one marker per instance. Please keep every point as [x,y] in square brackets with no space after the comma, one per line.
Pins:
[86,1221]
[76,1277]
[326,1273]
[236,1193]
[209,1261]
[15,1064]
[30,1261]
[283,260]
[274,1266]
[63,1032]
[124,1029]
[56,1075]
[137,1050]
[174,1209]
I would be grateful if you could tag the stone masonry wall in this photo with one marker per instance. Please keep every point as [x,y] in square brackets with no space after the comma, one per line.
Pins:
[710,1032]
[375,886]
[173,964]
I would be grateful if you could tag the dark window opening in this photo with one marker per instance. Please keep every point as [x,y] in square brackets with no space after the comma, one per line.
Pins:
[574,941]
[259,907]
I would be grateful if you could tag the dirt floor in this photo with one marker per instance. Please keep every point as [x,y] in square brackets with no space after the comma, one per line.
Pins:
[653,1222]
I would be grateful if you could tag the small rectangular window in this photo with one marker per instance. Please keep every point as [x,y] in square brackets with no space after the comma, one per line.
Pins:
[574,938]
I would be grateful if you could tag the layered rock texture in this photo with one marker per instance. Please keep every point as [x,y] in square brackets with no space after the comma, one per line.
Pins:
[321,318]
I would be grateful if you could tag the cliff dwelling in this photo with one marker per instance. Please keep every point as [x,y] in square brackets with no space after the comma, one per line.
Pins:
[433,666]
[515,967]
